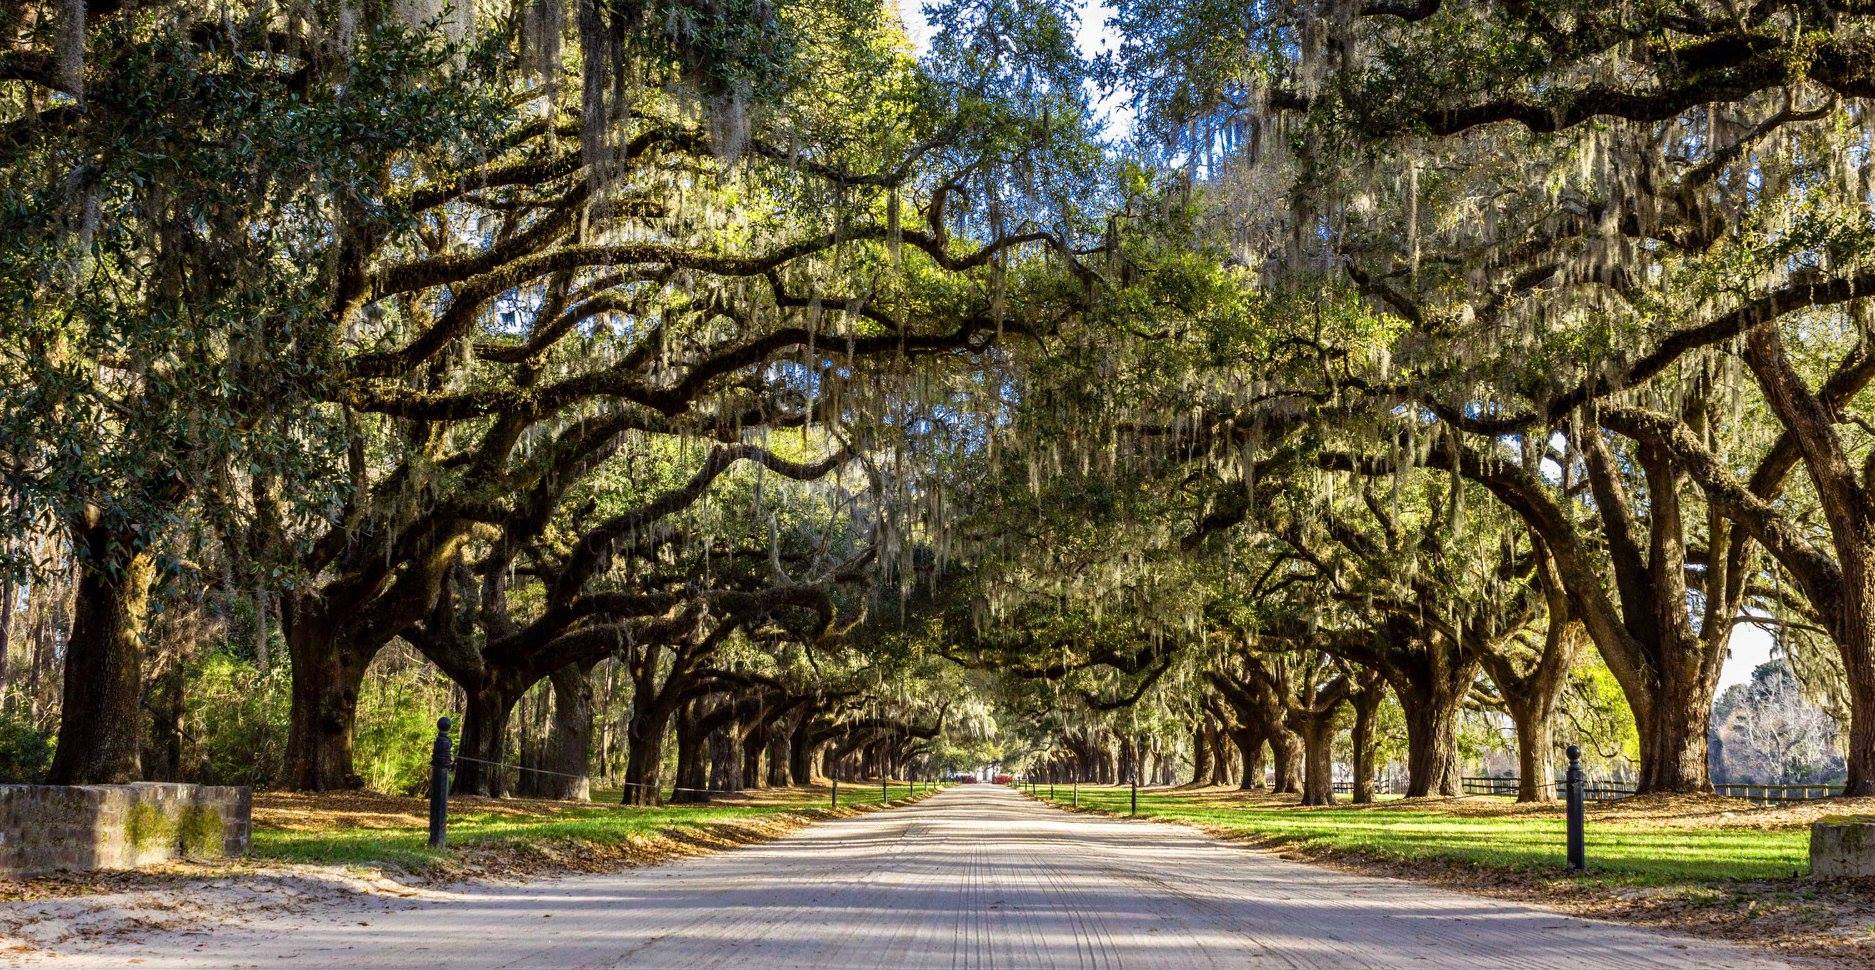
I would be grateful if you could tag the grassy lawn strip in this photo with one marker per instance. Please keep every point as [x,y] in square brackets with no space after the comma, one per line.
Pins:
[1622,851]
[1698,864]
[529,836]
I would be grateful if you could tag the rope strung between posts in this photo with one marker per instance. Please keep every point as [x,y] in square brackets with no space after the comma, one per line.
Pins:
[629,784]
[503,764]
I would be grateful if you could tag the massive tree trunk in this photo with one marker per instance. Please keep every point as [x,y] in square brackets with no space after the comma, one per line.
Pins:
[778,775]
[327,675]
[482,747]
[644,754]
[804,747]
[1852,627]
[1223,766]
[1286,760]
[567,752]
[1536,762]
[1249,742]
[1673,731]
[1200,755]
[755,744]
[692,767]
[1318,776]
[1367,702]
[99,716]
[1431,743]
[725,757]
[1861,756]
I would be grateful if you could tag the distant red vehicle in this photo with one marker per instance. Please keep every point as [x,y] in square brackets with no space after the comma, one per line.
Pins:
[968,779]
[1003,779]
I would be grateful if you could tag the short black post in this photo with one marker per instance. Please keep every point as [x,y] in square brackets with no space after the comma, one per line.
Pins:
[441,759]
[1578,861]
[1135,791]
[836,791]
[883,797]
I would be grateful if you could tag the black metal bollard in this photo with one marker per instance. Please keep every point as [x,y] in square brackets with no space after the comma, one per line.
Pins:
[1578,861]
[883,796]
[836,791]
[1135,793]
[1077,793]
[441,759]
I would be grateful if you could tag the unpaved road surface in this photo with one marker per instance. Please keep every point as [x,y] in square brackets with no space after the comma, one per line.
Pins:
[973,877]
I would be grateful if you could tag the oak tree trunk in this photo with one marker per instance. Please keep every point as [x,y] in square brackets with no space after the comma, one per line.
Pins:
[644,755]
[99,716]
[1286,759]
[725,755]
[1536,745]
[1318,775]
[1673,730]
[1200,756]
[327,675]
[1431,745]
[1364,741]
[483,744]
[692,768]
[566,753]
[1250,750]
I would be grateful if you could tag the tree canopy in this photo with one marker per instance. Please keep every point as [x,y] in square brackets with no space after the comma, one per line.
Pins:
[861,408]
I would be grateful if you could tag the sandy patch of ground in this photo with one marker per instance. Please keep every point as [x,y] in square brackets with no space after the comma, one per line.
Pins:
[68,913]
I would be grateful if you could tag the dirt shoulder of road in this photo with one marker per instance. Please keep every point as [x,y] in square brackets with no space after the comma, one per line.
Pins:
[1829,922]
[62,911]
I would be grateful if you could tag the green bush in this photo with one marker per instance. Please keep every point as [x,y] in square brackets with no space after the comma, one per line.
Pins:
[237,717]
[397,711]
[25,751]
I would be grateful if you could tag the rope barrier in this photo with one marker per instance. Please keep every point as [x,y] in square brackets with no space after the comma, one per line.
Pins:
[504,764]
[628,784]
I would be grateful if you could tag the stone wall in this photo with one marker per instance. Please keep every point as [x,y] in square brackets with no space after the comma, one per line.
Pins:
[44,828]
[1842,846]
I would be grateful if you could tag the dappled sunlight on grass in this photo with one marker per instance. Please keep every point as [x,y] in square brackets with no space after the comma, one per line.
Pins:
[378,830]
[1526,840]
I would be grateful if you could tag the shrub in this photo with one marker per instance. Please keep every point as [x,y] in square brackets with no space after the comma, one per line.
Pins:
[397,711]
[237,717]
[25,751]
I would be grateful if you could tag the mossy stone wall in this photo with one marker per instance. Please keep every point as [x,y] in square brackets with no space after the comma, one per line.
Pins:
[1842,845]
[46,828]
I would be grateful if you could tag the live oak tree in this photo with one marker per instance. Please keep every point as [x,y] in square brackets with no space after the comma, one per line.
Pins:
[1592,198]
[542,310]
[167,186]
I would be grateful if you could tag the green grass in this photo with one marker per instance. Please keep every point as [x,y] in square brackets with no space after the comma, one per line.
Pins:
[1626,852]
[603,821]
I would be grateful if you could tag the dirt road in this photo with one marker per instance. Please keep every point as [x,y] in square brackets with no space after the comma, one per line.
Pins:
[977,876]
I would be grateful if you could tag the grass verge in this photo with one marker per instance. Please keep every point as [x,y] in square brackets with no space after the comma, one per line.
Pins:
[521,837]
[1710,866]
